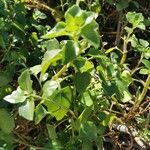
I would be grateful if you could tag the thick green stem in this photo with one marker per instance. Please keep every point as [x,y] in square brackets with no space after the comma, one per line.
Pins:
[124,56]
[125,44]
[60,72]
[146,86]
[142,95]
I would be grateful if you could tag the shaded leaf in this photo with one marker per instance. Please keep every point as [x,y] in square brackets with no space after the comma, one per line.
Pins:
[71,50]
[6,122]
[59,103]
[81,81]
[51,131]
[40,113]
[88,131]
[89,32]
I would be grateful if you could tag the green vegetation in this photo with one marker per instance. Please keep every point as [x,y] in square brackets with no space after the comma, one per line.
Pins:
[74,74]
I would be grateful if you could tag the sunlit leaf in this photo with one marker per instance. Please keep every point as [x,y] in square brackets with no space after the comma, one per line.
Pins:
[58,30]
[25,81]
[17,96]
[49,87]
[27,110]
[35,70]
[135,19]
[144,71]
[49,57]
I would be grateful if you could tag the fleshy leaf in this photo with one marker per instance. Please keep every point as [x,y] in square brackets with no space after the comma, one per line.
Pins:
[49,57]
[25,81]
[88,131]
[35,70]
[135,19]
[89,32]
[17,96]
[49,87]
[59,103]
[27,110]
[40,113]
[81,81]
[58,30]
[71,51]
[51,131]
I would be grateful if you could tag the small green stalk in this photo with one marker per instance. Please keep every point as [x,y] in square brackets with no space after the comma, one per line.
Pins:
[124,56]
[125,44]
[60,72]
[142,95]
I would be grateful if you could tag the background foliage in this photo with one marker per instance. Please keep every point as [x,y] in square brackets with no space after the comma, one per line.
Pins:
[74,74]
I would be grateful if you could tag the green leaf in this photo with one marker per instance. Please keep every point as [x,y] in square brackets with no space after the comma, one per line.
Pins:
[49,57]
[141,26]
[58,30]
[88,66]
[2,42]
[89,32]
[122,4]
[135,19]
[87,146]
[71,50]
[147,53]
[87,99]
[144,43]
[133,40]
[129,30]
[17,96]
[51,131]
[123,88]
[4,78]
[40,113]
[35,70]
[25,81]
[59,103]
[88,131]
[126,76]
[73,11]
[79,63]
[27,110]
[49,87]
[144,71]
[85,114]
[81,81]
[109,119]
[6,122]
[146,63]
[51,44]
